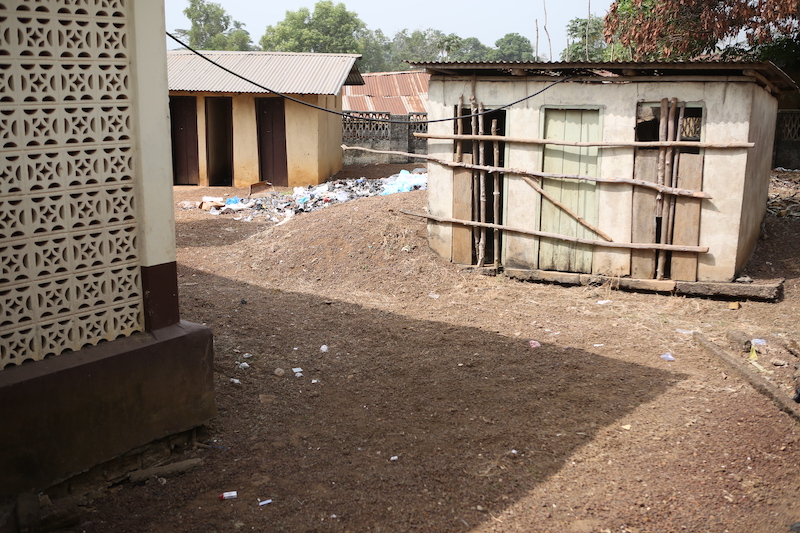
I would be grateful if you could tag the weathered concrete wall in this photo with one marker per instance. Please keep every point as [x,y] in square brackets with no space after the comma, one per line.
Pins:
[399,138]
[757,173]
[726,107]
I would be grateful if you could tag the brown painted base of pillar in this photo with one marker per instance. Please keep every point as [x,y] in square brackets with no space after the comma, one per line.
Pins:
[68,413]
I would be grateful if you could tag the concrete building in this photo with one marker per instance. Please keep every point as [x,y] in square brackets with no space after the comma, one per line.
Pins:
[593,174]
[227,131]
[95,360]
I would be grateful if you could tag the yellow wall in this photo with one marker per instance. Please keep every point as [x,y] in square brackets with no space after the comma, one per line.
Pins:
[245,140]
[313,138]
[153,157]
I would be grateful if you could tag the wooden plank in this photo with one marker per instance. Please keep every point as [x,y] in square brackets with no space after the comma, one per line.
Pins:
[587,190]
[754,291]
[550,276]
[462,209]
[552,162]
[578,196]
[665,285]
[683,266]
[643,222]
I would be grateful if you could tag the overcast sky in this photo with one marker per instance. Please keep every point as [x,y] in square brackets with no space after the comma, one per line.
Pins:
[486,20]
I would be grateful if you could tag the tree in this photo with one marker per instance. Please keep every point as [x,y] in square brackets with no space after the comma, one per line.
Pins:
[512,47]
[329,29]
[213,29]
[471,49]
[680,29]
[419,45]
[586,41]
[375,49]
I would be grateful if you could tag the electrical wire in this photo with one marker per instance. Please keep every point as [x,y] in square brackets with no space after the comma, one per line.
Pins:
[358,117]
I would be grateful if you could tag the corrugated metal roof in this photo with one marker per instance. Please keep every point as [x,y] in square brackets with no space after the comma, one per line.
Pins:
[281,72]
[398,93]
[764,71]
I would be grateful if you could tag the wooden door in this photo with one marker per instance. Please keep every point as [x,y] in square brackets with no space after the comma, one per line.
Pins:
[183,121]
[579,196]
[271,126]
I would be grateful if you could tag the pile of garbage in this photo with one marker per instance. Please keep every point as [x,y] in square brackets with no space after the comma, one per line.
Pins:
[279,207]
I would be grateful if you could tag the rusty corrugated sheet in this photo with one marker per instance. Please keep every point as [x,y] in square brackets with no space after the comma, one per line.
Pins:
[398,93]
[281,72]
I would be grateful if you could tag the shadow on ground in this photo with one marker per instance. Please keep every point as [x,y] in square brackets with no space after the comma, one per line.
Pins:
[401,425]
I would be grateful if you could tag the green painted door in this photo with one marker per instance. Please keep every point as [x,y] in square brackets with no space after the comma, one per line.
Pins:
[580,196]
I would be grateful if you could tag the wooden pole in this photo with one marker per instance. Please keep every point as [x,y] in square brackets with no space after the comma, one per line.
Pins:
[566,209]
[674,178]
[580,240]
[482,185]
[519,172]
[459,128]
[662,161]
[605,144]
[473,106]
[667,215]
[496,196]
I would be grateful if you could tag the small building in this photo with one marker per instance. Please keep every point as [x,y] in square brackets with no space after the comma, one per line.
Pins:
[625,170]
[228,131]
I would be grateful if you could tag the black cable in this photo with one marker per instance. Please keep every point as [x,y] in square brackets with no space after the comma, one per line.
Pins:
[350,115]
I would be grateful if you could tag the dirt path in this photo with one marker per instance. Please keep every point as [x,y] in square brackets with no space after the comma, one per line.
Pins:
[423,407]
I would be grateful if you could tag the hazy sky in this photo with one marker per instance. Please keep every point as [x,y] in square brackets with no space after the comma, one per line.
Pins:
[486,20]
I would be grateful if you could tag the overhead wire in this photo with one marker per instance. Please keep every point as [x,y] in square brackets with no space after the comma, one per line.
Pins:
[355,116]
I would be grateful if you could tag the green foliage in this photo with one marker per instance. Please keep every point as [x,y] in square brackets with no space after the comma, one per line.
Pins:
[329,29]
[419,45]
[583,45]
[375,49]
[470,49]
[512,47]
[784,51]
[213,29]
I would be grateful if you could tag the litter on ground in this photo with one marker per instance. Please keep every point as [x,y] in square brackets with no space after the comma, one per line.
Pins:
[279,207]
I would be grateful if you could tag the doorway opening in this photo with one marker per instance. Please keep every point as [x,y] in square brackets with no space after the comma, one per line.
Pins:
[219,141]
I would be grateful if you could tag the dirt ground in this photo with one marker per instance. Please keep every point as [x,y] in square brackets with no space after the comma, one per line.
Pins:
[421,405]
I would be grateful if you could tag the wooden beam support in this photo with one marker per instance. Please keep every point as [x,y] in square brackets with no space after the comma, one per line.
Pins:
[627,245]
[519,172]
[607,144]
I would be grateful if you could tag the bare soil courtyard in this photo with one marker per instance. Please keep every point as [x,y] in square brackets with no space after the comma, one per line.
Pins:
[421,405]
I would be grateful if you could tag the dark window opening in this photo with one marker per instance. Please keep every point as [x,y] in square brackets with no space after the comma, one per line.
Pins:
[689,125]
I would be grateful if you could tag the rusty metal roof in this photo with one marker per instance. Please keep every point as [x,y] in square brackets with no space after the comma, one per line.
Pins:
[398,93]
[764,73]
[282,72]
